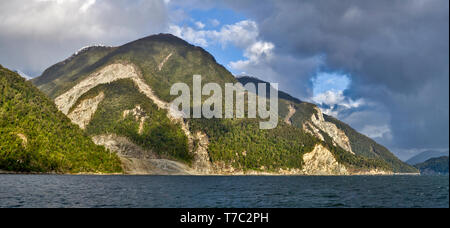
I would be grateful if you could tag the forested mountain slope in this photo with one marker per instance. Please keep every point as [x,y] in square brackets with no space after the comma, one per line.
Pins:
[36,137]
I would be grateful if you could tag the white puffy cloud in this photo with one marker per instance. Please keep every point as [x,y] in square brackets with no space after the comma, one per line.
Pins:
[200,25]
[191,35]
[243,34]
[335,103]
[38,33]
[214,22]
[329,98]
[80,18]
[332,98]
[255,53]
[259,50]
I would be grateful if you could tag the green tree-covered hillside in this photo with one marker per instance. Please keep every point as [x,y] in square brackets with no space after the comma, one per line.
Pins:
[36,137]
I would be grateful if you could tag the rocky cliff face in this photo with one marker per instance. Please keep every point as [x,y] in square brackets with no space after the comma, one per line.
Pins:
[322,162]
[318,124]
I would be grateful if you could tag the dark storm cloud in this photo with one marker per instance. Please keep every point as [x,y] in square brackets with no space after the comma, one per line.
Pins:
[396,51]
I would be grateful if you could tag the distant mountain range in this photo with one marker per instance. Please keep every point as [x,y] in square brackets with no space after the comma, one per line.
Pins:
[119,97]
[434,166]
[422,157]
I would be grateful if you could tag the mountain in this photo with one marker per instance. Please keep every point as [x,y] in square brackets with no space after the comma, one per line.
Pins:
[247,79]
[422,157]
[23,75]
[120,96]
[434,166]
[36,137]
[359,144]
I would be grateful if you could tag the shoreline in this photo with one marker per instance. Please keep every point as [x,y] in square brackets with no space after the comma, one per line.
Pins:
[2,172]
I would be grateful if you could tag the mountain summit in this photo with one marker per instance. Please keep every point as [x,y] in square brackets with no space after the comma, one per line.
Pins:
[120,96]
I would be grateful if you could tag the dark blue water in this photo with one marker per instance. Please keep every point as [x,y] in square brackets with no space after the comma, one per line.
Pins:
[266,192]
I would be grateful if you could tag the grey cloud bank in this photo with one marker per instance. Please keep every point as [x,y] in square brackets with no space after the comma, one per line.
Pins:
[396,52]
[35,34]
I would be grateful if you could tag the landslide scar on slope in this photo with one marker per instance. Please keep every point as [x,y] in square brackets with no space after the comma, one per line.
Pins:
[84,112]
[291,113]
[139,115]
[161,65]
[318,123]
[23,138]
[138,161]
[117,71]
[106,75]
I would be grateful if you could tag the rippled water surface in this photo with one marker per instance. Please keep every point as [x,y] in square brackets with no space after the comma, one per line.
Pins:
[266,192]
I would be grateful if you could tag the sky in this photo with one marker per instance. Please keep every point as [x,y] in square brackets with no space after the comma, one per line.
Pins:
[380,66]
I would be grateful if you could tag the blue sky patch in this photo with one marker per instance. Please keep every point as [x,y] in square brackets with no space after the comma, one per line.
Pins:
[224,16]
[330,81]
